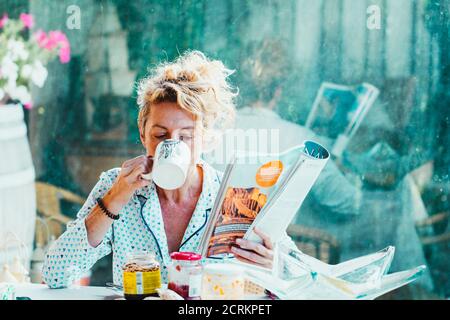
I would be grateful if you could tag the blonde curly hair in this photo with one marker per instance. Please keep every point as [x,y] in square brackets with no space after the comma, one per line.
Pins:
[197,84]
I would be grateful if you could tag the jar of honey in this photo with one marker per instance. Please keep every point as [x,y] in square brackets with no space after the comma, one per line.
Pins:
[141,276]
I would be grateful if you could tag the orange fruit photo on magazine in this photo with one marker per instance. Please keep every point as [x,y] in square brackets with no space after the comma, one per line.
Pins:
[268,174]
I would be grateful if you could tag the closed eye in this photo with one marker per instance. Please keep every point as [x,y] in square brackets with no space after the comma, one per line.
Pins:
[183,138]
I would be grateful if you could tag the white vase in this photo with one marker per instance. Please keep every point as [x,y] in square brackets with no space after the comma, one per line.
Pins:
[17,190]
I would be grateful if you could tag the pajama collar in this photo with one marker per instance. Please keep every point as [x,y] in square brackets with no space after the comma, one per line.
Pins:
[152,215]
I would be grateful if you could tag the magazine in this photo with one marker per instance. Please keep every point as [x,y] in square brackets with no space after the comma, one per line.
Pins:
[296,275]
[338,111]
[263,191]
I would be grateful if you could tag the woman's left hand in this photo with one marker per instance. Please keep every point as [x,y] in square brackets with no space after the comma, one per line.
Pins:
[253,252]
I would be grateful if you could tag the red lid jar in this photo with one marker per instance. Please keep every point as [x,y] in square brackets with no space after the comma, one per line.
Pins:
[185,274]
[185,256]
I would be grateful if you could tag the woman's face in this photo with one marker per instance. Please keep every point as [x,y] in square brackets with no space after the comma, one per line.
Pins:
[167,120]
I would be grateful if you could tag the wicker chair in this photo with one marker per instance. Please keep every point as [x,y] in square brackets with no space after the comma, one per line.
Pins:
[48,199]
[432,230]
[316,243]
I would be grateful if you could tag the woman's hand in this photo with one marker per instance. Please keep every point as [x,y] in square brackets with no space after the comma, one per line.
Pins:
[129,180]
[253,252]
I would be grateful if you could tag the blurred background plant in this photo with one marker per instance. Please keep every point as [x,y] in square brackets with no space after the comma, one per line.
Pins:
[23,57]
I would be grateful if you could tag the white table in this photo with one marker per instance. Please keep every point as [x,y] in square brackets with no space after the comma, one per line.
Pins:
[43,292]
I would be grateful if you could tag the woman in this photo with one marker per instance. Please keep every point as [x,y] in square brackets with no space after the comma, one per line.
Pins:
[189,100]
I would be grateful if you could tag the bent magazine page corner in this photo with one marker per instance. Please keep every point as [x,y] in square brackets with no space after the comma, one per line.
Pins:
[264,190]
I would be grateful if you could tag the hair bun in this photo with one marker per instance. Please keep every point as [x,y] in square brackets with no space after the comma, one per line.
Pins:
[169,74]
[188,75]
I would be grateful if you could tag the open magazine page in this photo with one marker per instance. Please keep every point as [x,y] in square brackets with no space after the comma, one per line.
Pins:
[316,286]
[393,281]
[298,276]
[276,216]
[368,269]
[247,187]
[339,110]
[266,189]
[305,286]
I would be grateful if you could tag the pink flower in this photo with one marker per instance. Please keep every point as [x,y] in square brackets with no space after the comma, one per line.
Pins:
[27,20]
[64,54]
[41,38]
[56,38]
[50,44]
[28,105]
[3,20]
[53,40]
[59,38]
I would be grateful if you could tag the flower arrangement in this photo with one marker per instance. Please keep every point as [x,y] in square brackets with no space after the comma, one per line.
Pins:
[24,55]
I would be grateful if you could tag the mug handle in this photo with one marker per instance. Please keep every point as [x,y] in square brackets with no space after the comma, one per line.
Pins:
[148,176]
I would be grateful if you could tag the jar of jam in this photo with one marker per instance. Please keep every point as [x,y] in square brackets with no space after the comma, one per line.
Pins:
[141,276]
[185,274]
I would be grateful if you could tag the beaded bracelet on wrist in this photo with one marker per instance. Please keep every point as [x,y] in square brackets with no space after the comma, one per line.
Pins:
[106,211]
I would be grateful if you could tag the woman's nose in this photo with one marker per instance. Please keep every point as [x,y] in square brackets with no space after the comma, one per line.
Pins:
[174,136]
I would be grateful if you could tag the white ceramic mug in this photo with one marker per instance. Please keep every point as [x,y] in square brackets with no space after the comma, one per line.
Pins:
[170,164]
